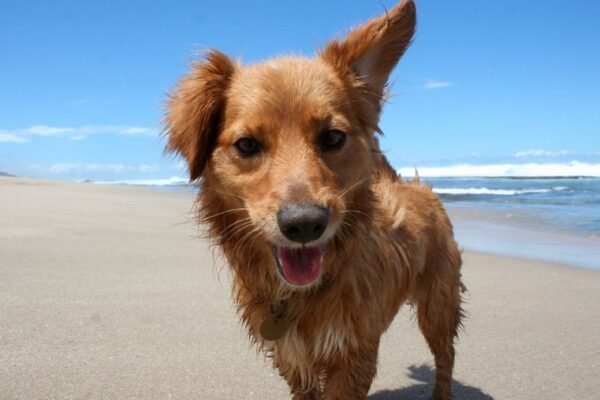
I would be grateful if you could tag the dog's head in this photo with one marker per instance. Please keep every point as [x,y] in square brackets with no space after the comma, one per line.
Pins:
[285,148]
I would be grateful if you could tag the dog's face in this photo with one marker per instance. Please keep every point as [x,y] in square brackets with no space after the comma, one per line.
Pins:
[289,146]
[290,142]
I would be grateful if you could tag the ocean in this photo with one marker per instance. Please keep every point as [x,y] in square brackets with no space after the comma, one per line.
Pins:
[571,205]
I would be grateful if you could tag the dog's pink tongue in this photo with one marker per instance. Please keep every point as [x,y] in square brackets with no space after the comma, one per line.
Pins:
[301,266]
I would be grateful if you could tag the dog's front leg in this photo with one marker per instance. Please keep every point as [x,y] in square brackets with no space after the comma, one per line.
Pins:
[351,378]
[312,395]
[301,389]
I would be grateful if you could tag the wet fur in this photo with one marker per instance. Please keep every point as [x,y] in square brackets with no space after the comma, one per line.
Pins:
[389,240]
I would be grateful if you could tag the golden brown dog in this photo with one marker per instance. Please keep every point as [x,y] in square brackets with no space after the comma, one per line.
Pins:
[325,241]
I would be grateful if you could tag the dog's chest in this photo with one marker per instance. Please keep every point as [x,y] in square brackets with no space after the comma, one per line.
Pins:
[314,344]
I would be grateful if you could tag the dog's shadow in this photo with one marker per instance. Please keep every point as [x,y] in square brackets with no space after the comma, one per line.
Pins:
[426,375]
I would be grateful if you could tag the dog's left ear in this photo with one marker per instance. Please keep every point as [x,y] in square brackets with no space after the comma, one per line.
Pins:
[370,52]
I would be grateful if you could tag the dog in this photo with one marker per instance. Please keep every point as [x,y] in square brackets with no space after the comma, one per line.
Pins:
[325,241]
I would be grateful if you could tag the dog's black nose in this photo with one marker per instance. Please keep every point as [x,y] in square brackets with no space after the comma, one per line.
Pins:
[302,222]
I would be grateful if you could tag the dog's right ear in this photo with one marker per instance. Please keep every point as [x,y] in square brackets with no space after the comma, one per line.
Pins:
[195,110]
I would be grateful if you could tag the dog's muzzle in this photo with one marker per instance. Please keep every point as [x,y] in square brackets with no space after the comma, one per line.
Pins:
[301,223]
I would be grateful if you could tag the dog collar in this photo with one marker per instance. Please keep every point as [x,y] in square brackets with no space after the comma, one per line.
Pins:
[281,315]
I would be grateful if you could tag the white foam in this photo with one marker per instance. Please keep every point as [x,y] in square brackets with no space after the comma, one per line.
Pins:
[573,168]
[175,180]
[482,191]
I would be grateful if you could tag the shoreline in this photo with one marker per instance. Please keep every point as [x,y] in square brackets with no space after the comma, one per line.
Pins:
[477,229]
[510,231]
[487,231]
[107,292]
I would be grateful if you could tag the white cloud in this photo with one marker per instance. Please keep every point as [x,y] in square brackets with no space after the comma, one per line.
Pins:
[542,153]
[133,130]
[77,137]
[118,130]
[437,84]
[43,130]
[9,137]
[68,168]
[74,133]
[76,167]
[78,102]
[181,165]
[148,168]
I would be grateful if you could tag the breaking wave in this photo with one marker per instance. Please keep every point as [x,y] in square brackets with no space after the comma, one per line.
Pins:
[173,181]
[495,192]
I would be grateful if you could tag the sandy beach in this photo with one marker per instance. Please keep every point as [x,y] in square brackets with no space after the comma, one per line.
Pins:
[107,292]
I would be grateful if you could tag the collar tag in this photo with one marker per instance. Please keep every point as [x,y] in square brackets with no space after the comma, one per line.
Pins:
[276,324]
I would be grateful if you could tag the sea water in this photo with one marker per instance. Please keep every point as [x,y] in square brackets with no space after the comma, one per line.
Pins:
[554,219]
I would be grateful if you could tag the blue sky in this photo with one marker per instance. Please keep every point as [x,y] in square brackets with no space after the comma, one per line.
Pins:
[485,82]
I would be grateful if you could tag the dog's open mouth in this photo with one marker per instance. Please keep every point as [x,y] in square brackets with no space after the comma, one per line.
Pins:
[299,266]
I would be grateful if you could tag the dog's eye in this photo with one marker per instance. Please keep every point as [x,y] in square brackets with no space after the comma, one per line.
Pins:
[332,140]
[248,147]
